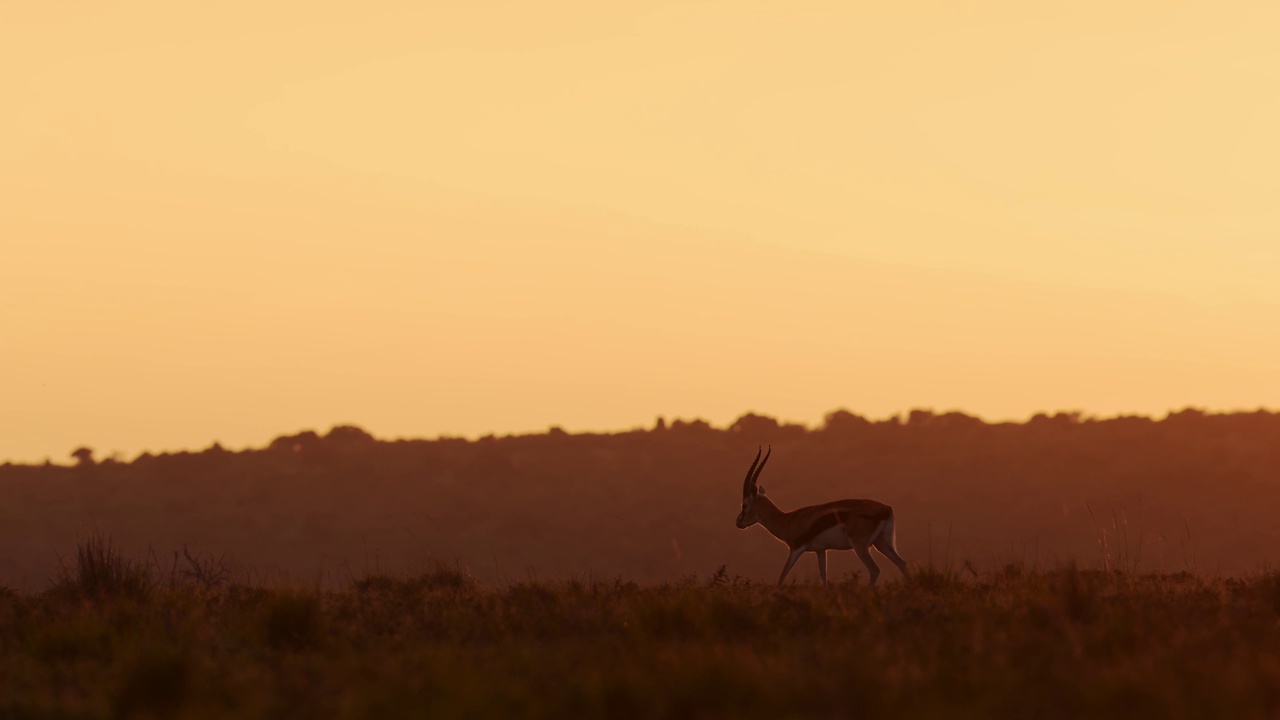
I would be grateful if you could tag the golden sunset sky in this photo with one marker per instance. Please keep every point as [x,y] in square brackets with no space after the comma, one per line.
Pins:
[228,221]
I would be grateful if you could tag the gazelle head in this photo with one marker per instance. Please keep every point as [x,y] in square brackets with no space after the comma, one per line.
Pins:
[751,492]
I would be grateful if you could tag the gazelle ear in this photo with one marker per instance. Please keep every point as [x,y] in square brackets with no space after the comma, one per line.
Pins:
[759,489]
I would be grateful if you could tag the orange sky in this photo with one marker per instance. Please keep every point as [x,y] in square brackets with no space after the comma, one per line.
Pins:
[227,221]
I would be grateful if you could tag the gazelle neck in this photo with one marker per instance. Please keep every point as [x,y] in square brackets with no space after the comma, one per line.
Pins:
[771,517]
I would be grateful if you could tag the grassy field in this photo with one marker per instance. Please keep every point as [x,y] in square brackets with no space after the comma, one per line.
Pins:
[113,638]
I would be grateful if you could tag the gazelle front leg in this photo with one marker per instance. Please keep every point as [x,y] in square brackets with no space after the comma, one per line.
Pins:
[791,560]
[822,567]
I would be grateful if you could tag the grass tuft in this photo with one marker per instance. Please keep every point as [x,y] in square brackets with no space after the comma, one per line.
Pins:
[101,571]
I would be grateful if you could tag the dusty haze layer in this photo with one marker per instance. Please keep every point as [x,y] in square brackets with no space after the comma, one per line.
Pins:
[1191,491]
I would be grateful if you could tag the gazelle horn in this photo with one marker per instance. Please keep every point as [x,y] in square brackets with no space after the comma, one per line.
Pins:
[748,485]
[768,451]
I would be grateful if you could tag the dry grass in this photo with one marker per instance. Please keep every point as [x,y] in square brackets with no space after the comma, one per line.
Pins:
[101,571]
[1013,643]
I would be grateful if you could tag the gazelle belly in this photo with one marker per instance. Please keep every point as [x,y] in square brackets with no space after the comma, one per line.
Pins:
[833,538]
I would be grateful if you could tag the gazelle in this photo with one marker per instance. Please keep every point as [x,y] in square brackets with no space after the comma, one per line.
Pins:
[856,525]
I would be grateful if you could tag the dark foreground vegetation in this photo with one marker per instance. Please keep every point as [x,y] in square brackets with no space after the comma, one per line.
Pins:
[114,638]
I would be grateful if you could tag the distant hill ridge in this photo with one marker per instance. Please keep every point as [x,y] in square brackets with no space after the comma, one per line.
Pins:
[1193,490]
[763,425]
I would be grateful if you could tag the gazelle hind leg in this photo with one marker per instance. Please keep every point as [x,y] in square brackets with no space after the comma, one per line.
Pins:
[884,542]
[873,570]
[822,567]
[890,552]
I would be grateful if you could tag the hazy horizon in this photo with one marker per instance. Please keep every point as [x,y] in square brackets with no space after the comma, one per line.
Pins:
[100,453]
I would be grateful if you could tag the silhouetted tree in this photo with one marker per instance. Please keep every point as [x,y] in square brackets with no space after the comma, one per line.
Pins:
[696,425]
[83,456]
[844,421]
[295,443]
[920,418]
[755,427]
[349,435]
